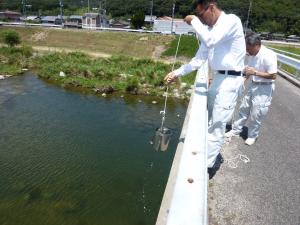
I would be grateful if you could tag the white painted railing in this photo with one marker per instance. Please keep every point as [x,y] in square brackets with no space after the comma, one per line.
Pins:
[295,63]
[185,197]
[287,60]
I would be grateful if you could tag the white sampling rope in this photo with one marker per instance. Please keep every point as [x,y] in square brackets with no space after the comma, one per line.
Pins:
[166,93]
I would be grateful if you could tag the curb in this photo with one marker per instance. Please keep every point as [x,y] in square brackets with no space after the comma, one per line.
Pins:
[289,78]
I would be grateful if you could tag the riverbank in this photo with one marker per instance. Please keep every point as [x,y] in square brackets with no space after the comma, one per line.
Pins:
[99,75]
[114,74]
[13,61]
[134,63]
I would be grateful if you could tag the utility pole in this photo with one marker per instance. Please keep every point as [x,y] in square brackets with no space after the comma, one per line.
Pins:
[173,12]
[151,14]
[61,12]
[88,6]
[24,8]
[247,21]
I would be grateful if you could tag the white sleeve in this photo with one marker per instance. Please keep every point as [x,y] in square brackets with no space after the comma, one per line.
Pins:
[195,63]
[220,32]
[271,63]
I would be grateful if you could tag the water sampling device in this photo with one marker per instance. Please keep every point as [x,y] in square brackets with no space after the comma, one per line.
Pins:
[163,134]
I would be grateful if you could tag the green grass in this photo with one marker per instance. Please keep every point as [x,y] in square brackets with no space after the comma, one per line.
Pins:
[289,69]
[9,69]
[124,74]
[12,60]
[295,50]
[188,47]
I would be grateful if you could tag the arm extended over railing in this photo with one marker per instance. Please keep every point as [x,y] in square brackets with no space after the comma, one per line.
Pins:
[185,197]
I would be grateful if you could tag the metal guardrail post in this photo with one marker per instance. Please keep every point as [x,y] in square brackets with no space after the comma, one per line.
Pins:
[185,197]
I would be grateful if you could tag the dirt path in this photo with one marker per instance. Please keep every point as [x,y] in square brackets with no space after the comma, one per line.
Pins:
[55,49]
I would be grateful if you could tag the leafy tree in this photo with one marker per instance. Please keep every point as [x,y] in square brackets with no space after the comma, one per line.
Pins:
[12,38]
[296,28]
[137,20]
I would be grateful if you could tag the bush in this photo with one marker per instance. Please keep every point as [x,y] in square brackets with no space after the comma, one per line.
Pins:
[26,51]
[137,20]
[132,84]
[12,38]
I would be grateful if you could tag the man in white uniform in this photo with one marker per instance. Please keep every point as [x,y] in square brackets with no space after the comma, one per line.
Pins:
[261,70]
[223,45]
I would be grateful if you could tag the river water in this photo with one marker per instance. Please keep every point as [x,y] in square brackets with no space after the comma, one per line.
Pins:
[70,158]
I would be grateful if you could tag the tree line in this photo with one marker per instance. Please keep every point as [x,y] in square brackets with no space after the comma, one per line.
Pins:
[280,16]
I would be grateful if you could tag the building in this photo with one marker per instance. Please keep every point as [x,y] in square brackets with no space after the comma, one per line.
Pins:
[119,24]
[74,21]
[10,16]
[31,19]
[94,20]
[48,19]
[149,20]
[164,25]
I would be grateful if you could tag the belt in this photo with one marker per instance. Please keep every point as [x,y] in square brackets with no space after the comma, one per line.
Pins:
[262,83]
[230,72]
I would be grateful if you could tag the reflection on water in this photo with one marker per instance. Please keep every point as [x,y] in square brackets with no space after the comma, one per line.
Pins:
[69,158]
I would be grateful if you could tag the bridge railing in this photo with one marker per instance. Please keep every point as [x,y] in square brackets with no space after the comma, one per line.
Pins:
[283,59]
[292,62]
[185,197]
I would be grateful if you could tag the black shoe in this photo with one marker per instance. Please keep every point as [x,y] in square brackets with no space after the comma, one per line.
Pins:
[213,170]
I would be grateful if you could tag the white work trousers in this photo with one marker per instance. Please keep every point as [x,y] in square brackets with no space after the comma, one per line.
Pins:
[222,98]
[254,106]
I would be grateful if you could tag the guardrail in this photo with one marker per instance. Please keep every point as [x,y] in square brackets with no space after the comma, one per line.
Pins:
[291,62]
[284,52]
[185,197]
[286,60]
[281,42]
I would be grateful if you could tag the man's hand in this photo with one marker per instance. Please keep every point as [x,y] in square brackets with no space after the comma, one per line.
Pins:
[249,71]
[170,78]
[188,19]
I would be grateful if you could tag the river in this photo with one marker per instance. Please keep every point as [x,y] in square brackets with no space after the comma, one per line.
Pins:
[73,158]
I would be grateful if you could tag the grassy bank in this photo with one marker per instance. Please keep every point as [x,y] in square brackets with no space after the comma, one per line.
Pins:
[13,60]
[118,73]
[113,43]
[188,47]
[129,70]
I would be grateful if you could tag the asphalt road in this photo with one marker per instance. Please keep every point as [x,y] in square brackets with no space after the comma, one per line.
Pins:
[266,190]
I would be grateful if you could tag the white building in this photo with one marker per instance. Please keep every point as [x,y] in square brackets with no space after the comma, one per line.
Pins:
[164,25]
[94,20]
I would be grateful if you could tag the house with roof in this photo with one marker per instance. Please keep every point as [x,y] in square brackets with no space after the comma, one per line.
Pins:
[164,25]
[74,21]
[94,20]
[10,16]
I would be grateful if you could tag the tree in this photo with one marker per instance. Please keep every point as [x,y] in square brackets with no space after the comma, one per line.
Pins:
[12,38]
[137,20]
